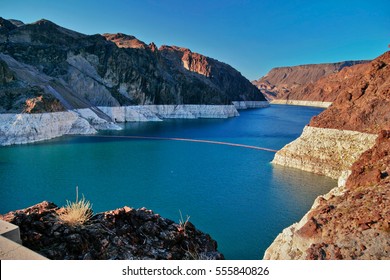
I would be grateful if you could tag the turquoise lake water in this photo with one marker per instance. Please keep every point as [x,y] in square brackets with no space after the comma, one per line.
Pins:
[232,193]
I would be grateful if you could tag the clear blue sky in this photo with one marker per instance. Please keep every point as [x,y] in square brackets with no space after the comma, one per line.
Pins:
[252,36]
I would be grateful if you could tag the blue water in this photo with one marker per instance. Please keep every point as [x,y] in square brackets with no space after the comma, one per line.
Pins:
[232,193]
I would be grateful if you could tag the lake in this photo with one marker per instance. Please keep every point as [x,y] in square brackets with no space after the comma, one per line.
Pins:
[233,193]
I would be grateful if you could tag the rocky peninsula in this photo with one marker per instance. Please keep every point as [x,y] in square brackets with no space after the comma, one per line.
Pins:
[349,141]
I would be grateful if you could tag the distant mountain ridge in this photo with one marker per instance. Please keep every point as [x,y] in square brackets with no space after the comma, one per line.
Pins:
[52,68]
[293,82]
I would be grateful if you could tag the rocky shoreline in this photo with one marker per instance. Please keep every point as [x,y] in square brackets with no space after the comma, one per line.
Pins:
[29,128]
[352,221]
[319,104]
[124,233]
[325,151]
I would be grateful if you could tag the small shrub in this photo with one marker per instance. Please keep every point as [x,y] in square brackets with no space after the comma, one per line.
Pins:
[182,223]
[78,212]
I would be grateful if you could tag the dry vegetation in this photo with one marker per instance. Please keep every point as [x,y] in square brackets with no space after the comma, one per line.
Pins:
[78,212]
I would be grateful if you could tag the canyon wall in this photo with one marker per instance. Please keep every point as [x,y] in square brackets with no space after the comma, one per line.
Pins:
[46,68]
[352,221]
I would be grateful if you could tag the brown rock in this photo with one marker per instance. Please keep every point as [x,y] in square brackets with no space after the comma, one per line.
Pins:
[124,233]
[363,98]
[107,70]
[299,82]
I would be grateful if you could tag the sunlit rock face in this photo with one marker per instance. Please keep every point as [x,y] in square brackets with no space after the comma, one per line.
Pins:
[299,82]
[349,140]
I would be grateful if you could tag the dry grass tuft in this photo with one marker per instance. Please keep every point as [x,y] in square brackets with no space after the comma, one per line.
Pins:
[182,223]
[78,212]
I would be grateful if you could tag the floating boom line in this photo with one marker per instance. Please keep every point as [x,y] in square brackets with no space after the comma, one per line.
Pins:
[185,140]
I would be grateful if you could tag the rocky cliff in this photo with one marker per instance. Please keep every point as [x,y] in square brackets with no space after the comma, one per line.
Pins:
[75,70]
[352,221]
[125,233]
[361,106]
[296,82]
[363,100]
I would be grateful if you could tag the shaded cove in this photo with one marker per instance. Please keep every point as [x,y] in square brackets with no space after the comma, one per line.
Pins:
[231,192]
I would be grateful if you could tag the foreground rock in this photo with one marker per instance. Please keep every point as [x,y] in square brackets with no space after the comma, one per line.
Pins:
[125,233]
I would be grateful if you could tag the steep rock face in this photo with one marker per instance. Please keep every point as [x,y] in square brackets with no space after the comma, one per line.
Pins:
[296,82]
[363,101]
[215,74]
[362,105]
[124,233]
[351,222]
[183,57]
[84,71]
[16,96]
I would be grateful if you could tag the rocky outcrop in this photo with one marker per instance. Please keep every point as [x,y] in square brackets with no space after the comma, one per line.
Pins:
[320,104]
[296,82]
[325,151]
[81,71]
[352,221]
[29,128]
[125,41]
[125,233]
